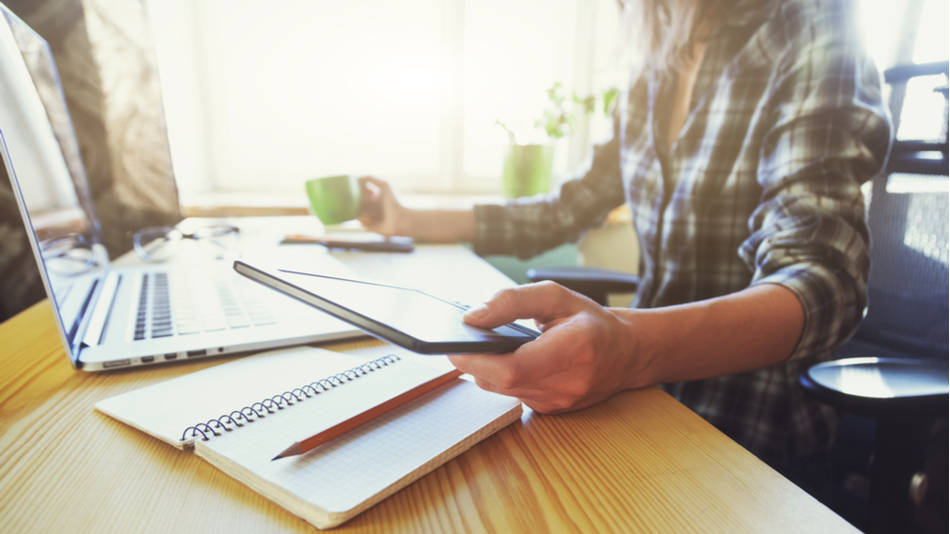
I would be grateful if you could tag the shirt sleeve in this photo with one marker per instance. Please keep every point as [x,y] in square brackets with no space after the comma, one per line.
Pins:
[828,133]
[526,227]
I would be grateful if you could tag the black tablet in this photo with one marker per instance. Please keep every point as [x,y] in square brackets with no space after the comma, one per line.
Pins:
[404,316]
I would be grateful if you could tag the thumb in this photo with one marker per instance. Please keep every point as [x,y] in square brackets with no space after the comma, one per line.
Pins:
[378,187]
[543,301]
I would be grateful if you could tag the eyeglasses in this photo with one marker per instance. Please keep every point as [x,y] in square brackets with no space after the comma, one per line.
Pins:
[70,254]
[161,243]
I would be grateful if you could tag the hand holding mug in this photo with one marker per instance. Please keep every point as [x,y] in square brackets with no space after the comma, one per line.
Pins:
[380,211]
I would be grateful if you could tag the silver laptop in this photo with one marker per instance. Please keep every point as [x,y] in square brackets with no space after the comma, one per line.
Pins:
[114,317]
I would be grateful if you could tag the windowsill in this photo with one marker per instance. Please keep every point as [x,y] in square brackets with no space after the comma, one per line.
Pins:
[231,204]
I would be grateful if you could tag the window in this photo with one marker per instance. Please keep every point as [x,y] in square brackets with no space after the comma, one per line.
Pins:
[261,96]
[910,31]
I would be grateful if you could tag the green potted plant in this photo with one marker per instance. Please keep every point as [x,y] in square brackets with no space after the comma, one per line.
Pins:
[527,168]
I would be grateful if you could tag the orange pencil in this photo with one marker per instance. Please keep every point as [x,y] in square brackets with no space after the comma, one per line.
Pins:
[341,428]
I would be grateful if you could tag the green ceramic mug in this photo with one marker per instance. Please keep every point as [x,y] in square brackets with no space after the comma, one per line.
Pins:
[334,199]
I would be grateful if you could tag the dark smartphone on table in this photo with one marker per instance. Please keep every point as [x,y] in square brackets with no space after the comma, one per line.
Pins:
[368,243]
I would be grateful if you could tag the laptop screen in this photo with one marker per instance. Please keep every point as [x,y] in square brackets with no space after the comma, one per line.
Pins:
[41,160]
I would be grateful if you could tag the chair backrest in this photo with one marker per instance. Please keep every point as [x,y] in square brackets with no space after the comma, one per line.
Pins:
[908,217]
[907,290]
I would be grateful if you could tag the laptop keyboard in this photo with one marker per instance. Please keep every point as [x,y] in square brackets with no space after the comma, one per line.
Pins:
[183,304]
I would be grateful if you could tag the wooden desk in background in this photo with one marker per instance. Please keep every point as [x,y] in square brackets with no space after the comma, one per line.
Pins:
[639,462]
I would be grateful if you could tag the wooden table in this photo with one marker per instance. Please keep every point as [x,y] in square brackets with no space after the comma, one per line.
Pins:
[640,461]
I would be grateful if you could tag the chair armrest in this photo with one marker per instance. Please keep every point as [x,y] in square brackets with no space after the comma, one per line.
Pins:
[594,283]
[876,387]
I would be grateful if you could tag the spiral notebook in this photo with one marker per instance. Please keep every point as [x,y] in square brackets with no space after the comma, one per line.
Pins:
[238,415]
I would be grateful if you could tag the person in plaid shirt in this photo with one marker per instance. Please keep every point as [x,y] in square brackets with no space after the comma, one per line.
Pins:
[740,146]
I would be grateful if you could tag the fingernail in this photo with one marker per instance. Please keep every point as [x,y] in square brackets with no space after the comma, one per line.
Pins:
[476,313]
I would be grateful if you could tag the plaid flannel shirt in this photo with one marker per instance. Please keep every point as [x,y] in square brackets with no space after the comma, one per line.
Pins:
[762,185]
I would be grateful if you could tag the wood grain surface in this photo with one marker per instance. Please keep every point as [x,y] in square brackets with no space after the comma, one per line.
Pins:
[638,462]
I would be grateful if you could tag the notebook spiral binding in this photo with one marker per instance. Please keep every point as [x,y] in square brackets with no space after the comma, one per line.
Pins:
[248,414]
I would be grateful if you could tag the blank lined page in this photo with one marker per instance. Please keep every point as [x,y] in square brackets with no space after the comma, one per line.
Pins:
[340,475]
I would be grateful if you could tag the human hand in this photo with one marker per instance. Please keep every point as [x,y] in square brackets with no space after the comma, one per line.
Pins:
[585,353]
[380,211]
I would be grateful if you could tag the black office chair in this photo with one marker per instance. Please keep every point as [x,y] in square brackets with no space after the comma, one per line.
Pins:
[894,376]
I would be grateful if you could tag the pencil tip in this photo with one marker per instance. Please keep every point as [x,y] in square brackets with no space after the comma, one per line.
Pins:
[289,451]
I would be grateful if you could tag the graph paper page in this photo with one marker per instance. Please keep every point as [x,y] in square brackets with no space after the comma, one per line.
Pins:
[341,474]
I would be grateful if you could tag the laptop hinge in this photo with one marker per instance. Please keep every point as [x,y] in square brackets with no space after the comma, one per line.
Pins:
[93,334]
